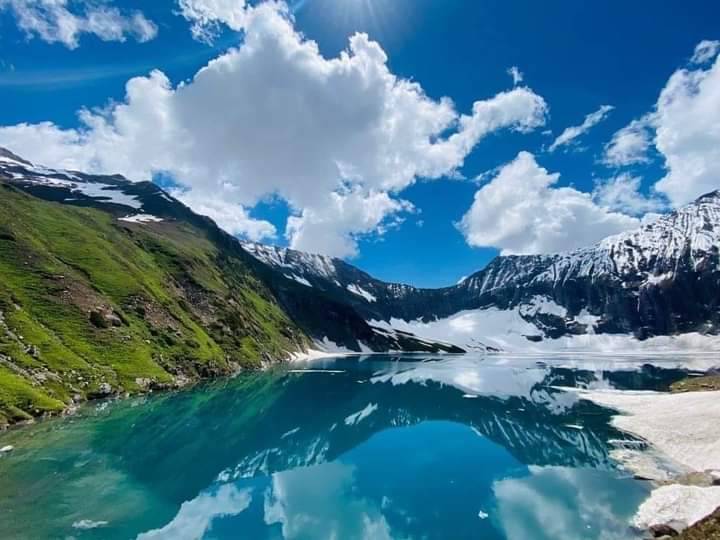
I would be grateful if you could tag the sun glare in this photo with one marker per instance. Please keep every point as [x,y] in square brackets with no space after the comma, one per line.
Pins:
[380,18]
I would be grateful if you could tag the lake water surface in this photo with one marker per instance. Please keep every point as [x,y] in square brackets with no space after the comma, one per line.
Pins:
[373,447]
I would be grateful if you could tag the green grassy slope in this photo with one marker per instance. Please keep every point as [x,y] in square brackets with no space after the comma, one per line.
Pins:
[90,305]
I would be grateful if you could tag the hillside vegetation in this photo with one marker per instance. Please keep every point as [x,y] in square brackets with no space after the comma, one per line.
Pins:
[93,306]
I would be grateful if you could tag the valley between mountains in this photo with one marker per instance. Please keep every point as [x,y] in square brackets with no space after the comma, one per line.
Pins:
[109,287]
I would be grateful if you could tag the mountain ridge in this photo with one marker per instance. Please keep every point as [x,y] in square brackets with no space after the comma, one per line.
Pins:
[658,280]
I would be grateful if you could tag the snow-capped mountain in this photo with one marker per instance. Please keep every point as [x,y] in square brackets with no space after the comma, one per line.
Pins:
[662,279]
[130,201]
[333,276]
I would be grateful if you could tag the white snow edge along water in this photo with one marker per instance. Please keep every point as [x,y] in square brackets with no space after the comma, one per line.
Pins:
[685,428]
[507,331]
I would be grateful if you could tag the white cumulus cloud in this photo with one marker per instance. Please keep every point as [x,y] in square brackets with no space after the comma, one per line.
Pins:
[705,51]
[336,225]
[337,138]
[622,193]
[687,123]
[684,128]
[207,16]
[61,21]
[573,132]
[521,211]
[631,144]
[516,74]
[231,217]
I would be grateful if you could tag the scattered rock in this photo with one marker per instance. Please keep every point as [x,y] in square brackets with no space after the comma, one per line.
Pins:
[6,449]
[663,531]
[97,318]
[144,383]
[105,389]
[105,319]
[114,319]
[715,475]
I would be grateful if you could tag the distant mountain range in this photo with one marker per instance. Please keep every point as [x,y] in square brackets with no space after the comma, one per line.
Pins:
[662,279]
[110,286]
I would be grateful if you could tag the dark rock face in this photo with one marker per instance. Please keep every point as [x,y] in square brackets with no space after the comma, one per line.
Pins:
[663,531]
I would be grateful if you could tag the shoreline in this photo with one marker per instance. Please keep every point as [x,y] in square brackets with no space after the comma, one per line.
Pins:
[287,358]
[312,354]
[682,430]
[683,459]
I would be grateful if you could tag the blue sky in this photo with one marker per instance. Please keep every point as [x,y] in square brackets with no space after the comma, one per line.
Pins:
[577,56]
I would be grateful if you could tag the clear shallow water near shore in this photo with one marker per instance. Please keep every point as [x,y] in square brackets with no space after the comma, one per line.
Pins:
[377,447]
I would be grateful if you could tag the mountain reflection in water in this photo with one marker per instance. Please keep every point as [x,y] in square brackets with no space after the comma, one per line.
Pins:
[370,447]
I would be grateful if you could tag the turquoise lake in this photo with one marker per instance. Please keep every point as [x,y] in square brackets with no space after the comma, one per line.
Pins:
[344,448]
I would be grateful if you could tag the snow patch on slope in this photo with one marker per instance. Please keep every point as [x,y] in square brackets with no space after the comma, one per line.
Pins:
[76,183]
[497,328]
[542,305]
[300,280]
[356,289]
[107,194]
[508,331]
[657,280]
[141,218]
[300,262]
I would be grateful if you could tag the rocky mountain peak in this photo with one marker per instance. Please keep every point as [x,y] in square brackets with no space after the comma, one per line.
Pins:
[7,155]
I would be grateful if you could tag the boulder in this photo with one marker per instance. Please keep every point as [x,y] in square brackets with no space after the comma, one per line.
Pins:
[98,319]
[663,530]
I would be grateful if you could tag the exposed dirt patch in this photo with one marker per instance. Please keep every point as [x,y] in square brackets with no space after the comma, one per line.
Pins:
[697,384]
[77,293]
[154,313]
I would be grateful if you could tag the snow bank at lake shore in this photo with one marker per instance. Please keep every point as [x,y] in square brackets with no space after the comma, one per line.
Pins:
[686,504]
[508,331]
[685,428]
